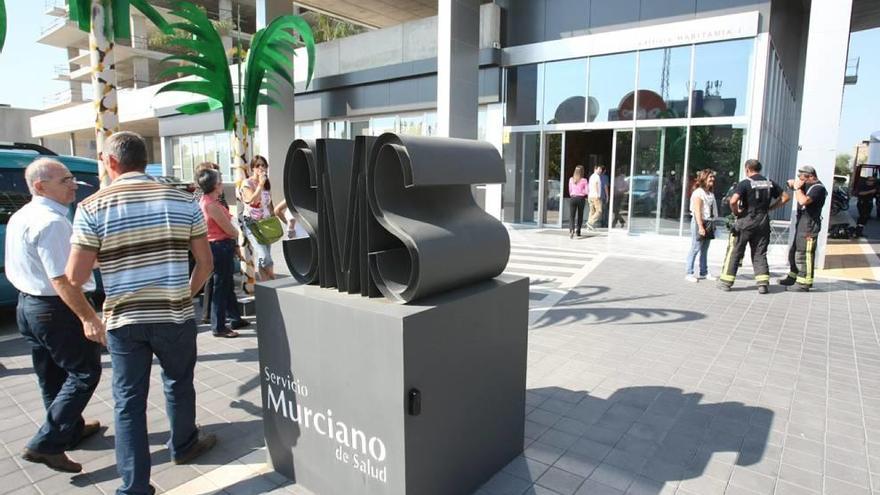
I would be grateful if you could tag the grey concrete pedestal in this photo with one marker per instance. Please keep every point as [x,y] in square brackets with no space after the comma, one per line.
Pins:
[365,396]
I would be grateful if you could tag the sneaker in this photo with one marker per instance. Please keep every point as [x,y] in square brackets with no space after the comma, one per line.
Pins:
[691,278]
[762,289]
[785,281]
[204,444]
[710,277]
[590,227]
[58,462]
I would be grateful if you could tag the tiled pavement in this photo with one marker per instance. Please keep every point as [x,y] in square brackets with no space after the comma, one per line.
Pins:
[638,383]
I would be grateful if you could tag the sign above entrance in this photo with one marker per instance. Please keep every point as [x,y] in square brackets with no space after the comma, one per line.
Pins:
[704,30]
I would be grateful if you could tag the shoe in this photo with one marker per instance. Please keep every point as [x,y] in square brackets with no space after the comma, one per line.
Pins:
[225,333]
[570,234]
[785,281]
[90,427]
[58,462]
[723,286]
[710,277]
[691,278]
[762,289]
[797,288]
[590,228]
[235,325]
[204,444]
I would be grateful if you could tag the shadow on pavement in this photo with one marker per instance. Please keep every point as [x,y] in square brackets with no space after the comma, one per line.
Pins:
[576,307]
[639,439]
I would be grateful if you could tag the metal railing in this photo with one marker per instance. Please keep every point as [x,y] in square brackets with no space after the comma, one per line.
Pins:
[62,70]
[55,4]
[59,98]
[55,24]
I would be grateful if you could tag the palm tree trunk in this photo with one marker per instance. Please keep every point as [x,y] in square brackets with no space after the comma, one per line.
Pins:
[101,44]
[241,140]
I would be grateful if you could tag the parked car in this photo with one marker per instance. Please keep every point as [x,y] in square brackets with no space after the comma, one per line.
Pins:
[14,158]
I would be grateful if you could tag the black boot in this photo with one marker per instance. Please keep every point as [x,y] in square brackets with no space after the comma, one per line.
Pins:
[786,281]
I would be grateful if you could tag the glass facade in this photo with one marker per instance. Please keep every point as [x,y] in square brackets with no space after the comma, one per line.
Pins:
[189,151]
[645,115]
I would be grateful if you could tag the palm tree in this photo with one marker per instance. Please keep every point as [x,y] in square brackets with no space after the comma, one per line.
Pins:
[268,61]
[106,20]
[2,24]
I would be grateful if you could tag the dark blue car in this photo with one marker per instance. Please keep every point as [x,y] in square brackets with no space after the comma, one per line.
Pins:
[14,194]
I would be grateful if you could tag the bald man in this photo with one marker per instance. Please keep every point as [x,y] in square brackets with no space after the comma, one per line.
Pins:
[54,316]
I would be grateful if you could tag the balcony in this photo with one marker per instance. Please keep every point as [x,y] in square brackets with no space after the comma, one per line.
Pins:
[852,71]
[62,99]
[56,8]
[62,33]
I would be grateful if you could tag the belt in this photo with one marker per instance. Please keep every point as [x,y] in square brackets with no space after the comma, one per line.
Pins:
[51,298]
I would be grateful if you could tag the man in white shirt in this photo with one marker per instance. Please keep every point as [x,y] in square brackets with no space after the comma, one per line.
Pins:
[595,196]
[53,316]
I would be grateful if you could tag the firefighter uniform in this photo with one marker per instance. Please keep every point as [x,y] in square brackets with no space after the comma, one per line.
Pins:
[751,229]
[802,254]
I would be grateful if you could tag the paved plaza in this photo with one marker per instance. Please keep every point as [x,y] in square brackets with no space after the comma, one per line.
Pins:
[638,382]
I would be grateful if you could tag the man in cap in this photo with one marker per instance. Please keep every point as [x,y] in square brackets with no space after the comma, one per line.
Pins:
[810,195]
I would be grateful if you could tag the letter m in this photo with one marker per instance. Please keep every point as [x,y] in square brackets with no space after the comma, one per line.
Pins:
[277,403]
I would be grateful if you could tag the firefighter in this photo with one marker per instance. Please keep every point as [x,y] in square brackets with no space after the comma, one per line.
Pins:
[751,203]
[865,192]
[810,196]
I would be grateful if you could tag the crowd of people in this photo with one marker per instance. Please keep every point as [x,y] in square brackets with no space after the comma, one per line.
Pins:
[155,248]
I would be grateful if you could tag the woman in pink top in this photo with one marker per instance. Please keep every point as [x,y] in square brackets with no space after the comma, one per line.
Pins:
[257,206]
[221,235]
[577,192]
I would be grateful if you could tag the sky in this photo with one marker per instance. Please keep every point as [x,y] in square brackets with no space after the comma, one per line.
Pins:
[28,70]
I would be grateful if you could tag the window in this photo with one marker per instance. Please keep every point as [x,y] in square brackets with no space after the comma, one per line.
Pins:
[565,88]
[523,103]
[719,147]
[721,78]
[611,87]
[664,82]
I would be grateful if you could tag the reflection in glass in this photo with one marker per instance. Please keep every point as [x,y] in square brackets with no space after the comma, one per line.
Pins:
[622,179]
[523,104]
[719,147]
[552,178]
[611,82]
[336,130]
[381,125]
[657,180]
[664,83]
[565,86]
[721,78]
[359,128]
[411,124]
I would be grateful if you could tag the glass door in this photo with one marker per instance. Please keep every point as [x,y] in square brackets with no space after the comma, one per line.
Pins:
[621,171]
[657,182]
[551,194]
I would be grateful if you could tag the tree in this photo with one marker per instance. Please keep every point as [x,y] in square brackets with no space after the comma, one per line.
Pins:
[106,20]
[269,60]
[842,164]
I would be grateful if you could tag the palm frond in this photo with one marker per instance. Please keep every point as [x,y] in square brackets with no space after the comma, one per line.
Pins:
[270,56]
[2,24]
[206,62]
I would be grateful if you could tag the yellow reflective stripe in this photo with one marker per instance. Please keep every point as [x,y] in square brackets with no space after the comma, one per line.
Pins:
[762,278]
[792,274]
[804,281]
[810,261]
[726,266]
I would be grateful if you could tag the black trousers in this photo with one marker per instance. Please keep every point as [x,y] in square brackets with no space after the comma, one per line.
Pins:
[754,233]
[576,204]
[865,206]
[67,365]
[802,255]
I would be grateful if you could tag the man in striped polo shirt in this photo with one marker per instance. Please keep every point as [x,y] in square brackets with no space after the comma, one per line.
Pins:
[140,232]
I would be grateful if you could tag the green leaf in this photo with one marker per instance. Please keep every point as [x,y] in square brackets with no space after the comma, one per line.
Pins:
[186,70]
[80,13]
[152,14]
[268,100]
[200,107]
[120,14]
[2,24]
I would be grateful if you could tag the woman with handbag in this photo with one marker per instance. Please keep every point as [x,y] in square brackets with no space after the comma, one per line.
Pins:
[577,193]
[703,214]
[221,236]
[259,214]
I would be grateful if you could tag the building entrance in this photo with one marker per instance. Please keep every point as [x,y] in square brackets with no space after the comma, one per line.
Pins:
[590,149]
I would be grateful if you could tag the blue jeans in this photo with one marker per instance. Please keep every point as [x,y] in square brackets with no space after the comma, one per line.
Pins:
[698,247]
[223,301]
[131,350]
[68,368]
[262,252]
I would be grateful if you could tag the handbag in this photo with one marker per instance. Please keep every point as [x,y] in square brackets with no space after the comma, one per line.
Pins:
[267,230]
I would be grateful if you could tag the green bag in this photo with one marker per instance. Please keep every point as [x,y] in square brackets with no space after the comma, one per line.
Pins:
[267,230]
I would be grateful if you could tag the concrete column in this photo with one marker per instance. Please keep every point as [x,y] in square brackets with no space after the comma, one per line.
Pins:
[167,152]
[140,65]
[458,67]
[827,47]
[276,125]
[76,93]
[226,14]
[71,141]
